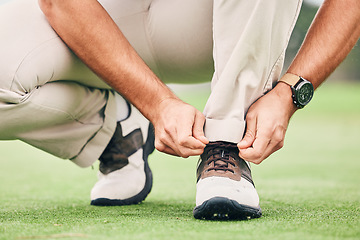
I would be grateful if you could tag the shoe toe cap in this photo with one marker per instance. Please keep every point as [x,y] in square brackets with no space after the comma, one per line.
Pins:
[241,191]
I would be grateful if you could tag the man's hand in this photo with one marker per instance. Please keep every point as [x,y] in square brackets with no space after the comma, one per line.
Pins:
[178,126]
[179,129]
[266,124]
[330,38]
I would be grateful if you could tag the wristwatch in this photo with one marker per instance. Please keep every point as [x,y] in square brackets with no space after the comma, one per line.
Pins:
[302,89]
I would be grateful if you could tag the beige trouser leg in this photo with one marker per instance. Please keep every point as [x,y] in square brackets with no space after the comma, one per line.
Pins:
[51,100]
[250,38]
[69,119]
[249,41]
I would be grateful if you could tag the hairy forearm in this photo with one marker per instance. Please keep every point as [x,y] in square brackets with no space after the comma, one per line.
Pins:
[333,33]
[90,32]
[330,38]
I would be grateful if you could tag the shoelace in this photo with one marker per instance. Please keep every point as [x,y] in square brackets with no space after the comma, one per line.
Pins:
[223,156]
[221,159]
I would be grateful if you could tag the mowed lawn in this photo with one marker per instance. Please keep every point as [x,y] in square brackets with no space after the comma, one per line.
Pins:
[308,190]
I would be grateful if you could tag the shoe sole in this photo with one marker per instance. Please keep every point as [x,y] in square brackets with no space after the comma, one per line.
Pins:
[149,147]
[220,208]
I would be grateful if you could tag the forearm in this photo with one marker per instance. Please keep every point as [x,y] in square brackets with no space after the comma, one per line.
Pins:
[90,32]
[331,37]
[333,33]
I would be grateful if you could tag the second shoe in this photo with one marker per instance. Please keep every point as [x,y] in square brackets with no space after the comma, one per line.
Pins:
[124,174]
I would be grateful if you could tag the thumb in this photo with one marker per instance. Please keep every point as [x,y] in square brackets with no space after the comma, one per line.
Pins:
[249,136]
[198,128]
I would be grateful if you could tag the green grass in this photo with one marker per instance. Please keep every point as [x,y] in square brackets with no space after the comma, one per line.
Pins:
[308,190]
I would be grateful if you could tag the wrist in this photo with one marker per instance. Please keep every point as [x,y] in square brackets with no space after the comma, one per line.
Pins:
[302,90]
[160,106]
[284,93]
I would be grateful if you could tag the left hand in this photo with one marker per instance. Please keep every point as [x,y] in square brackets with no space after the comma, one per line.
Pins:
[266,124]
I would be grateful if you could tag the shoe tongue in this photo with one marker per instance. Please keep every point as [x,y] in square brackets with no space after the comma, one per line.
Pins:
[231,147]
[221,156]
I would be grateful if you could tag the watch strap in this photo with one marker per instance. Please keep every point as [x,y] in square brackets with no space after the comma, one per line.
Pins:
[290,79]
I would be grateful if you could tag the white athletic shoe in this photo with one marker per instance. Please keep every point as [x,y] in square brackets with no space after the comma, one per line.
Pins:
[225,189]
[124,174]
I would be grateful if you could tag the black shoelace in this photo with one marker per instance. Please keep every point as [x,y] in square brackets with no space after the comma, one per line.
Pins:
[221,159]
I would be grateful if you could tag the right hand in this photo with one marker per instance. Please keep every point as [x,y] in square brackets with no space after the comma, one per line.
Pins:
[179,129]
[267,120]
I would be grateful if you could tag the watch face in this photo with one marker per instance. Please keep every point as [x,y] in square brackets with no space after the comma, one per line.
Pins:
[304,93]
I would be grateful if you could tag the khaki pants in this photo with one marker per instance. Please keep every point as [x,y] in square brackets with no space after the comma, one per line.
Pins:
[51,100]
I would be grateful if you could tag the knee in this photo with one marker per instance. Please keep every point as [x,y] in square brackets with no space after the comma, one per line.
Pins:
[32,48]
[35,67]
[23,77]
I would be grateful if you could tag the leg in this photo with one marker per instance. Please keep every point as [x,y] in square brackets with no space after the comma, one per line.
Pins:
[51,100]
[179,33]
[178,51]
[249,46]
[76,129]
[35,106]
[250,38]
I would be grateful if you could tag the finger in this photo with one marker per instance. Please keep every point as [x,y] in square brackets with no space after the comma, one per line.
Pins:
[255,153]
[272,142]
[167,150]
[167,145]
[270,150]
[181,152]
[184,137]
[191,143]
[161,147]
[198,128]
[180,139]
[164,142]
[276,143]
[249,137]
